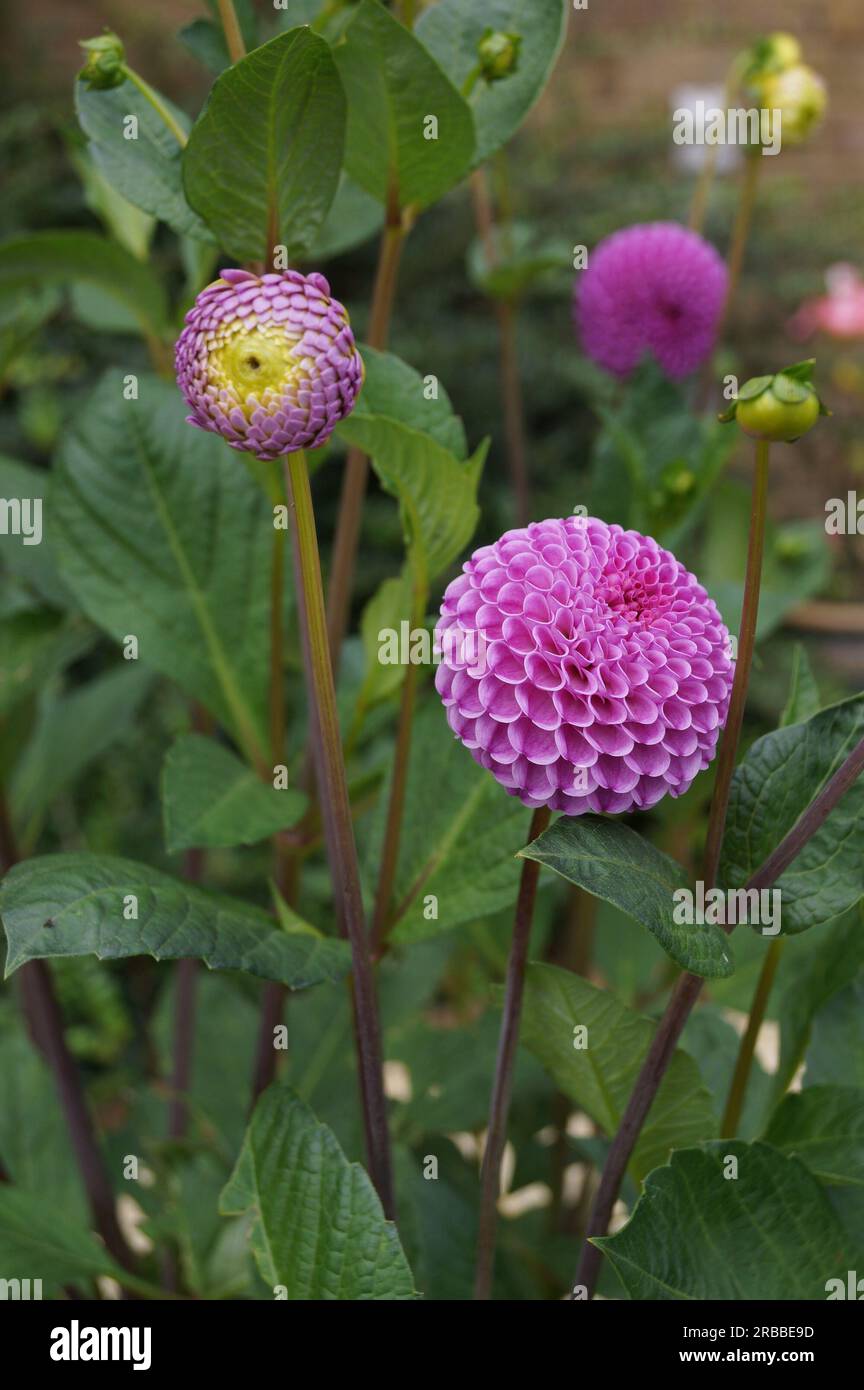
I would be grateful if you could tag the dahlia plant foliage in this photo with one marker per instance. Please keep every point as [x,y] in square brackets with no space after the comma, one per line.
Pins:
[513,886]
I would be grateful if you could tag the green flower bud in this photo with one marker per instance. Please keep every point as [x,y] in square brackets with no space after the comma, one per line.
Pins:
[779,407]
[799,95]
[773,53]
[106,62]
[499,54]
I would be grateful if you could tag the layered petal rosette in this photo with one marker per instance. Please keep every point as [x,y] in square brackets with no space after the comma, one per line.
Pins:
[656,289]
[268,361]
[583,666]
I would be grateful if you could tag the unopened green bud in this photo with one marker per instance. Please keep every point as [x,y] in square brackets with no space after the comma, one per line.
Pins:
[773,53]
[106,62]
[499,54]
[799,95]
[779,407]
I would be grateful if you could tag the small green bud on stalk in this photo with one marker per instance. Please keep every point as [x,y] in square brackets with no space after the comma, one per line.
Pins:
[772,53]
[105,66]
[780,407]
[800,96]
[499,54]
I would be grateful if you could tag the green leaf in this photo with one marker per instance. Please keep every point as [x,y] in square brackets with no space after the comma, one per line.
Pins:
[437,493]
[33,564]
[398,392]
[85,258]
[354,217]
[803,701]
[612,862]
[452,30]
[166,537]
[72,732]
[812,973]
[43,1243]
[278,118]
[33,1134]
[122,220]
[206,41]
[769,1234]
[147,170]
[317,1227]
[459,837]
[600,1076]
[523,256]
[393,86]
[779,777]
[73,905]
[34,644]
[211,800]
[823,1126]
[386,610]
[797,561]
[836,1051]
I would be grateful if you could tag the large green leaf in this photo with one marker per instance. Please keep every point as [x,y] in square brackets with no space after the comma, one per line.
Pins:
[600,1076]
[72,258]
[162,534]
[73,731]
[823,1126]
[768,1234]
[437,493]
[73,905]
[452,30]
[40,1241]
[394,87]
[459,837]
[803,701]
[210,799]
[387,609]
[33,645]
[813,972]
[33,1132]
[354,217]
[395,390]
[317,1228]
[779,777]
[611,861]
[147,169]
[836,1051]
[264,157]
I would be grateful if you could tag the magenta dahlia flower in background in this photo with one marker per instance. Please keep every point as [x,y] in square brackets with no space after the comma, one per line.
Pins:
[268,361]
[583,667]
[655,288]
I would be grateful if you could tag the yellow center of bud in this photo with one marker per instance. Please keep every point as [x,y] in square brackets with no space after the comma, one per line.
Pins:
[251,360]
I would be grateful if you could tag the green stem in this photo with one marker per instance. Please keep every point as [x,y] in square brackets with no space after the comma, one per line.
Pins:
[382,918]
[499,1108]
[339,830]
[746,644]
[747,1049]
[158,105]
[741,230]
[345,541]
[231,29]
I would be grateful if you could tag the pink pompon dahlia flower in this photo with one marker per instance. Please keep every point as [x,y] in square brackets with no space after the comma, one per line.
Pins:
[268,361]
[583,667]
[655,288]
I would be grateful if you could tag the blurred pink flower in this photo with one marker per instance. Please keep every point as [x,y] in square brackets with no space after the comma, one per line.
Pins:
[607,671]
[654,288]
[839,313]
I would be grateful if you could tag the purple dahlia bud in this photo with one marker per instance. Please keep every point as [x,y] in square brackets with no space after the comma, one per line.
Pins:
[606,674]
[656,288]
[268,361]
